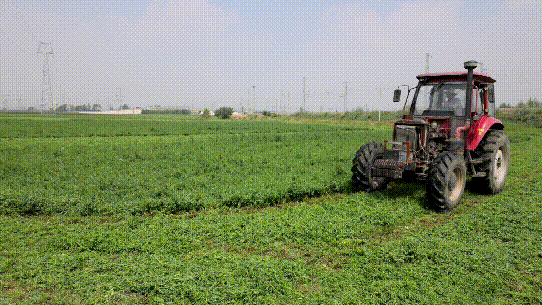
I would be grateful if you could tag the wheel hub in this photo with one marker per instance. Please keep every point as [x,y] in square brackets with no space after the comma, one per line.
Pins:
[499,167]
[455,184]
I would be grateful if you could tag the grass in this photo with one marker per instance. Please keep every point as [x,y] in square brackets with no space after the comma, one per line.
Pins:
[331,247]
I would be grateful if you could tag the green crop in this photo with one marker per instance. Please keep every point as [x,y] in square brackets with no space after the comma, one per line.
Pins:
[102,210]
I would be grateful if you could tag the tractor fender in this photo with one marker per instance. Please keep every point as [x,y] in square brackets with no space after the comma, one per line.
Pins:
[479,129]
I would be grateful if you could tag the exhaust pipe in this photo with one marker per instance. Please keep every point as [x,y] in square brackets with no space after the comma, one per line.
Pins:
[458,144]
[470,66]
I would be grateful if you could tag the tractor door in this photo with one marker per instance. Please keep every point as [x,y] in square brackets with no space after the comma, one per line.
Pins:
[491,100]
[477,102]
[486,100]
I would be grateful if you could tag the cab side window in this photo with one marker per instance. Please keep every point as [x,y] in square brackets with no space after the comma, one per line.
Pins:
[477,101]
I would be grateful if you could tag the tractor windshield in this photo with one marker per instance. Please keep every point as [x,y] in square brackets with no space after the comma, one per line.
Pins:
[434,99]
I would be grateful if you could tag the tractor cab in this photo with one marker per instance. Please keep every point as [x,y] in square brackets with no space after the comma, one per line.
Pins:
[446,95]
[438,117]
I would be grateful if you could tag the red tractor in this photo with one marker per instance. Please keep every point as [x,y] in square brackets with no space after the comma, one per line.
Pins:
[449,131]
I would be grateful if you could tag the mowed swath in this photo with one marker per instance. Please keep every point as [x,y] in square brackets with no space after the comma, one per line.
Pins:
[101,165]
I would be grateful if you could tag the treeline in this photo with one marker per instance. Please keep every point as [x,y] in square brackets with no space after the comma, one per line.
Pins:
[166,111]
[525,112]
[531,103]
[85,107]
[357,114]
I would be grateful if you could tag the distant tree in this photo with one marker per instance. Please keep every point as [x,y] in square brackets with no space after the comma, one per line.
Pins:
[124,107]
[83,108]
[62,108]
[521,105]
[266,113]
[186,111]
[206,113]
[224,112]
[505,105]
[96,107]
[533,103]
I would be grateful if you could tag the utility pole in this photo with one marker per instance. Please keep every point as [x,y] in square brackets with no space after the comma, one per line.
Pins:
[254,96]
[288,109]
[304,93]
[427,57]
[482,69]
[381,103]
[1,84]
[345,95]
[46,49]
[282,102]
[119,96]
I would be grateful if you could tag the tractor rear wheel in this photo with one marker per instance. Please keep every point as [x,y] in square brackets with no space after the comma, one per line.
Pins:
[494,150]
[361,167]
[446,181]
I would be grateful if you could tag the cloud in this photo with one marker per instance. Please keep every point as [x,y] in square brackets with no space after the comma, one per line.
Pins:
[196,51]
[193,20]
[178,47]
[373,51]
[87,52]
[506,36]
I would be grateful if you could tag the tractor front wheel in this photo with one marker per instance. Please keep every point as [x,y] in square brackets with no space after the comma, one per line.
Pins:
[494,150]
[446,181]
[361,167]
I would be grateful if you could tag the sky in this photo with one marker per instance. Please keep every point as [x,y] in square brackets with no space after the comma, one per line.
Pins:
[277,55]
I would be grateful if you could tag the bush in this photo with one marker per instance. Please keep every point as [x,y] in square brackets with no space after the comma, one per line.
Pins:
[224,112]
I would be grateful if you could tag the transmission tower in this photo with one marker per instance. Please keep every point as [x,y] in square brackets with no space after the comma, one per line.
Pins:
[46,49]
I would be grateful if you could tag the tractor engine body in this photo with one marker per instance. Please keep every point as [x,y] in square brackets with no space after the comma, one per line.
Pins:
[416,142]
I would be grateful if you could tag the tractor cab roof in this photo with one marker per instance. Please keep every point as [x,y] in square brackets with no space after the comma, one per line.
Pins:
[460,76]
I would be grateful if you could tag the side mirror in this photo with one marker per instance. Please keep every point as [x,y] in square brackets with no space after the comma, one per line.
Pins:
[397,95]
[491,93]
